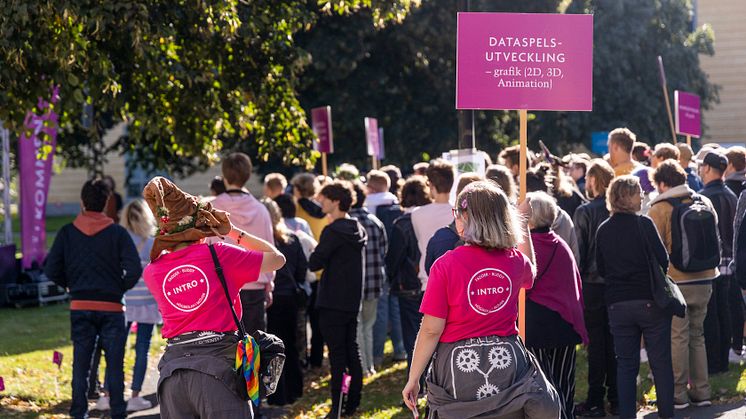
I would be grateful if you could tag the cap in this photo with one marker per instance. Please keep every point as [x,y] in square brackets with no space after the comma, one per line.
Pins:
[685,151]
[706,148]
[716,160]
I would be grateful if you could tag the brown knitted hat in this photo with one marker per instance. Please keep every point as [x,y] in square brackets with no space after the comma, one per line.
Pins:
[181,217]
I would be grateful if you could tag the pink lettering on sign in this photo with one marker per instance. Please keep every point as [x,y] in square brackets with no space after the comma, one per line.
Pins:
[321,122]
[489,290]
[688,118]
[186,288]
[530,61]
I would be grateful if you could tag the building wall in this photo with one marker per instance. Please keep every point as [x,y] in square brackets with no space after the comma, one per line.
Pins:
[726,121]
[64,191]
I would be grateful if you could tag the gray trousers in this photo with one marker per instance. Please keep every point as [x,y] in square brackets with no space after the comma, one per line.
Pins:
[192,394]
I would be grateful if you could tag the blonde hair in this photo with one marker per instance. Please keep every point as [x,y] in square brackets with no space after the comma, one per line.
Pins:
[276,182]
[543,209]
[137,218]
[619,196]
[378,181]
[279,230]
[490,220]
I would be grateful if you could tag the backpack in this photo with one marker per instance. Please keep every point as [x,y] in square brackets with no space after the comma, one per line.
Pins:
[695,240]
[388,214]
[404,279]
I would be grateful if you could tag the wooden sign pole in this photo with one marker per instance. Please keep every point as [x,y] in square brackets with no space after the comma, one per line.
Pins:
[374,162]
[689,140]
[324,169]
[523,116]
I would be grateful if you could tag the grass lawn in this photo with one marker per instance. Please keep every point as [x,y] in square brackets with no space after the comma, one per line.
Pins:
[54,223]
[34,386]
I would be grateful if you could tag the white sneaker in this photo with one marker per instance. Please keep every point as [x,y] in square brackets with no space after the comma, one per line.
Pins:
[734,358]
[102,404]
[138,403]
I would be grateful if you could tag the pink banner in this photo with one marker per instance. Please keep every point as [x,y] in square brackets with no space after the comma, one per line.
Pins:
[531,61]
[35,155]
[688,119]
[321,122]
[371,137]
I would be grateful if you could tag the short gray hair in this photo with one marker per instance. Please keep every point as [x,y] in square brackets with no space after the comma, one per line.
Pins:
[490,221]
[543,209]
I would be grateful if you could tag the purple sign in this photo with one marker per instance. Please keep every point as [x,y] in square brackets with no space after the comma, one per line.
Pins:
[688,119]
[35,155]
[532,61]
[381,148]
[371,137]
[57,359]
[321,122]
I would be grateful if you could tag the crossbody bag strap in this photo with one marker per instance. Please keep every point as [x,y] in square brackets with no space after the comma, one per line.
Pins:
[219,271]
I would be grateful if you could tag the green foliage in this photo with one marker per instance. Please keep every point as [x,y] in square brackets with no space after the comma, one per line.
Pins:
[405,76]
[628,37]
[191,78]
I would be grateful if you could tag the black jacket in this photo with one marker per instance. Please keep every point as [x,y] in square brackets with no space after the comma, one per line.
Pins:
[445,239]
[724,201]
[98,268]
[340,253]
[622,257]
[735,185]
[289,278]
[403,258]
[587,219]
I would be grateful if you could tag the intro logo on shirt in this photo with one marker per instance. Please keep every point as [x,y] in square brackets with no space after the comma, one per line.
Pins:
[489,290]
[186,288]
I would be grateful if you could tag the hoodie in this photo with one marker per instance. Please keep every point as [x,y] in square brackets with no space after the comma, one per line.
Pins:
[310,211]
[95,260]
[735,181]
[341,254]
[374,200]
[250,215]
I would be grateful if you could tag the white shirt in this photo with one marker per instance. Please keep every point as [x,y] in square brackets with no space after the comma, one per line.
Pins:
[426,220]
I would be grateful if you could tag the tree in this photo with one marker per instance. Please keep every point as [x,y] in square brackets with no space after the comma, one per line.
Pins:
[628,37]
[405,76]
[190,78]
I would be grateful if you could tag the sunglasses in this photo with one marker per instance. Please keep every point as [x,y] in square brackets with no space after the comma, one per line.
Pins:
[457,212]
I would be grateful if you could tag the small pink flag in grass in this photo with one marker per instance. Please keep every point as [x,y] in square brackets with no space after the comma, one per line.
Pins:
[346,378]
[2,384]
[57,359]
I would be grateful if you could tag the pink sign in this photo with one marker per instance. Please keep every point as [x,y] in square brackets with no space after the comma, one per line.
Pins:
[371,137]
[321,122]
[2,384]
[688,119]
[529,61]
[57,359]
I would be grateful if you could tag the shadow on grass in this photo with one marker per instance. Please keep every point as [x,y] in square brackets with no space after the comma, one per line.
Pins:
[34,329]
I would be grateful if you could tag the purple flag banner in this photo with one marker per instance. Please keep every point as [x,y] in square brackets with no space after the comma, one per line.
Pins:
[321,123]
[371,137]
[57,359]
[35,154]
[688,119]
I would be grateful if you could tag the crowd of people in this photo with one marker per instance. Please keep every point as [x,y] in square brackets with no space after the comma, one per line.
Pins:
[435,262]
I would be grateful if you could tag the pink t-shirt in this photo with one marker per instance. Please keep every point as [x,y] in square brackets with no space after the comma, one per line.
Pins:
[188,291]
[476,291]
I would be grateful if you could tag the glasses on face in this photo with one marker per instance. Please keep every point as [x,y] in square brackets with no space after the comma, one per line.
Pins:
[456,212]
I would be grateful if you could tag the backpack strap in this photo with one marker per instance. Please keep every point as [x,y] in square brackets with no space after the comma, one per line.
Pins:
[219,271]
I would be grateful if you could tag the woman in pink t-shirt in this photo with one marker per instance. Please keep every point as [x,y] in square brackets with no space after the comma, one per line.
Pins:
[197,376]
[479,366]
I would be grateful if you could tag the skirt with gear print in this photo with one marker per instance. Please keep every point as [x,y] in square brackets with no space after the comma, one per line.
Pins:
[488,377]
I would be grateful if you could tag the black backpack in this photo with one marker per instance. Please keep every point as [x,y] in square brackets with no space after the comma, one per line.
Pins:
[402,273]
[695,240]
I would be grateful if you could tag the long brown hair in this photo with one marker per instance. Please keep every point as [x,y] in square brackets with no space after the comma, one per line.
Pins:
[279,230]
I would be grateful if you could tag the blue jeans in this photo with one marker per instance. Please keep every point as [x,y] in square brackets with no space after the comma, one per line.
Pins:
[387,314]
[85,326]
[630,320]
[142,346]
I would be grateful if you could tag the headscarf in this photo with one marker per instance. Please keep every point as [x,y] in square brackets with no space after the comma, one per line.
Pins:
[181,217]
